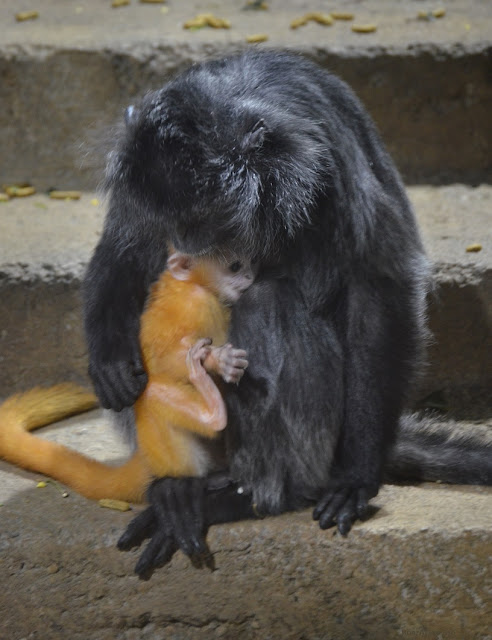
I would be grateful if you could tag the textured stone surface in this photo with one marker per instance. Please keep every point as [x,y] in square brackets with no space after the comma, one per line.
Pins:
[67,75]
[419,568]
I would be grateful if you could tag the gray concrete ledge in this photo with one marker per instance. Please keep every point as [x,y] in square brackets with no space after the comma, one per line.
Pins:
[419,568]
[45,245]
[68,75]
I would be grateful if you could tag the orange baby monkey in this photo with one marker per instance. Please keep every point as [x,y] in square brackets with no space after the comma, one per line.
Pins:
[181,410]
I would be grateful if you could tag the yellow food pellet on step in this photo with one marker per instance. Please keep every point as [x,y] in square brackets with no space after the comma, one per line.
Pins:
[118,505]
[321,18]
[474,248]
[439,13]
[298,22]
[364,28]
[15,191]
[207,20]
[41,485]
[341,15]
[314,16]
[26,15]
[257,37]
[65,195]
[120,3]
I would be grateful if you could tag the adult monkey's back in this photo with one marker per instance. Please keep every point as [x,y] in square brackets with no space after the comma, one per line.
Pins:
[268,153]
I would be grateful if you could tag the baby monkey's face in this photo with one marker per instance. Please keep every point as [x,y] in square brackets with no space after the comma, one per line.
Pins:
[232,275]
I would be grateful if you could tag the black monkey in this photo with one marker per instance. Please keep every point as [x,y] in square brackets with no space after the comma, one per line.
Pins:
[268,153]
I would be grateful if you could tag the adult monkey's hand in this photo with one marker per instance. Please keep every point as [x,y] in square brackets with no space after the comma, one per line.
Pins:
[181,511]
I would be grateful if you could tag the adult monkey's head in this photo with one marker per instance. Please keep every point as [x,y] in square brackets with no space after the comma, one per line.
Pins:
[219,168]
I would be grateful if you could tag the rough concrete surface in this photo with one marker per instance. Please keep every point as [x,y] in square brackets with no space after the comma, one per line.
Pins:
[418,568]
[68,74]
[45,245]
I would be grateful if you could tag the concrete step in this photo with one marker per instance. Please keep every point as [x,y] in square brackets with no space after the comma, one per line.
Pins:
[419,568]
[68,74]
[45,245]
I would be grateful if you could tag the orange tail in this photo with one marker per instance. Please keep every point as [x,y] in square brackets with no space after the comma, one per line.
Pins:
[25,412]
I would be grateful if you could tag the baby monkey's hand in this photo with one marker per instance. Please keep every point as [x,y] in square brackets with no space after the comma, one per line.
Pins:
[229,363]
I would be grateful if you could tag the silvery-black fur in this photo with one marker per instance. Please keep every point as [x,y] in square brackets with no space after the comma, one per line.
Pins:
[267,153]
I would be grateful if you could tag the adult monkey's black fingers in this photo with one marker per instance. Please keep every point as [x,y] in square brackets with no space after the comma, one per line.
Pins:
[140,528]
[109,381]
[168,549]
[160,545]
[327,518]
[139,378]
[197,505]
[119,374]
[347,514]
[186,506]
[97,376]
[362,503]
[322,504]
[129,384]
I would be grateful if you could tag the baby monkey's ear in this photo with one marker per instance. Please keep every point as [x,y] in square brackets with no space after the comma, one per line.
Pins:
[255,137]
[179,265]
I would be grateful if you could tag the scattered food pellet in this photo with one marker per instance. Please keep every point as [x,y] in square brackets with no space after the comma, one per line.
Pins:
[321,18]
[298,22]
[4,197]
[430,15]
[474,248]
[364,28]
[94,202]
[257,37]
[65,195]
[341,15]
[17,191]
[41,485]
[152,1]
[53,568]
[119,505]
[120,3]
[207,20]
[26,15]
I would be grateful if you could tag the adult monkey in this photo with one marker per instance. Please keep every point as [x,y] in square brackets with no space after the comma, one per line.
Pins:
[268,153]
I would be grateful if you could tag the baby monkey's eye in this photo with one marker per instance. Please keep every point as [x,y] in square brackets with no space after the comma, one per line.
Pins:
[235,267]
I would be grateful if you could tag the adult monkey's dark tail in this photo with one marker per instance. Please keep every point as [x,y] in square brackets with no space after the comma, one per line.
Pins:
[429,448]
